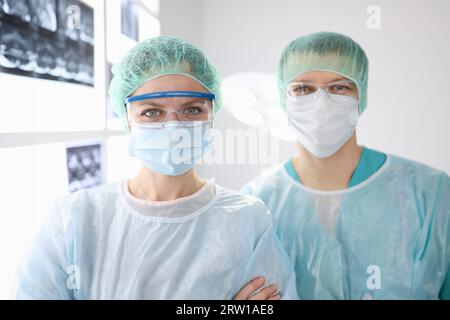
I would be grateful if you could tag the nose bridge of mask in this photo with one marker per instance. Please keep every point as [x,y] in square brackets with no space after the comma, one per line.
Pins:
[335,111]
[320,108]
[190,137]
[322,100]
[333,105]
[173,136]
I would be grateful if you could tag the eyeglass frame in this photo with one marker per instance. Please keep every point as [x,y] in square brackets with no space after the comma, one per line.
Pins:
[323,87]
[171,94]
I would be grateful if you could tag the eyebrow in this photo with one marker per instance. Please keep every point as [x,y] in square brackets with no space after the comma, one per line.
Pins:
[340,79]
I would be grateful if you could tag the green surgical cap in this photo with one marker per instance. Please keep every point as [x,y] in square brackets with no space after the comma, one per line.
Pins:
[324,51]
[155,57]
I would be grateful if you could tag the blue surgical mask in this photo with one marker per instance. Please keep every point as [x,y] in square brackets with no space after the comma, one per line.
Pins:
[171,150]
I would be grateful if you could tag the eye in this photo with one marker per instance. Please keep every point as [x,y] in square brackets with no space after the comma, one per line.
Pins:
[303,89]
[193,110]
[342,88]
[152,113]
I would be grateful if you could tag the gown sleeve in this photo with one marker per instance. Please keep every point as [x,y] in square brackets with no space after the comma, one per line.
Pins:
[271,261]
[445,290]
[444,206]
[44,272]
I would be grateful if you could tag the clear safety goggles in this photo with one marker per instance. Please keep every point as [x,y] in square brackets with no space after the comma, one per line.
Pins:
[152,110]
[338,88]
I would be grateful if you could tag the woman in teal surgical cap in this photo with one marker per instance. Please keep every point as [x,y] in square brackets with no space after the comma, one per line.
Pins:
[357,223]
[165,233]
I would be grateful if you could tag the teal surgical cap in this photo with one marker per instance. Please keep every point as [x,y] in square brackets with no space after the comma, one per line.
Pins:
[155,57]
[324,51]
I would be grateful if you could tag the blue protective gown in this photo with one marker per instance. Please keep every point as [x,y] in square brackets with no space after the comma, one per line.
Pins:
[385,237]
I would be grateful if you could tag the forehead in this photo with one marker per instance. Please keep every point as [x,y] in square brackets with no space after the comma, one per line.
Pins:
[170,82]
[321,77]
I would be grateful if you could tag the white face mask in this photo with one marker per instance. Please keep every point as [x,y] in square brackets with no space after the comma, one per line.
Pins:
[323,122]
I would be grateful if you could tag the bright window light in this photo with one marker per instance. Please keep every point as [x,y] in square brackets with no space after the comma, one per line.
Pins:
[234,97]
[248,116]
[283,132]
[32,178]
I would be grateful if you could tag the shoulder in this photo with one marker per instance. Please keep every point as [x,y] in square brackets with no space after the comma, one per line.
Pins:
[88,201]
[242,206]
[238,201]
[430,187]
[420,174]
[91,196]
[274,178]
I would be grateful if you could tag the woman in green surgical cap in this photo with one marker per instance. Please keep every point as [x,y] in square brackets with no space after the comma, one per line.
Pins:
[356,222]
[165,233]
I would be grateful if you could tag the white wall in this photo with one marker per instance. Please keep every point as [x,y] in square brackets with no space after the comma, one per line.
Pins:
[182,19]
[409,100]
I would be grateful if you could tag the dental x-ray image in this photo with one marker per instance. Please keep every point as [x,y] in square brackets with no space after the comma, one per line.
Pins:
[47,39]
[130,19]
[84,166]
